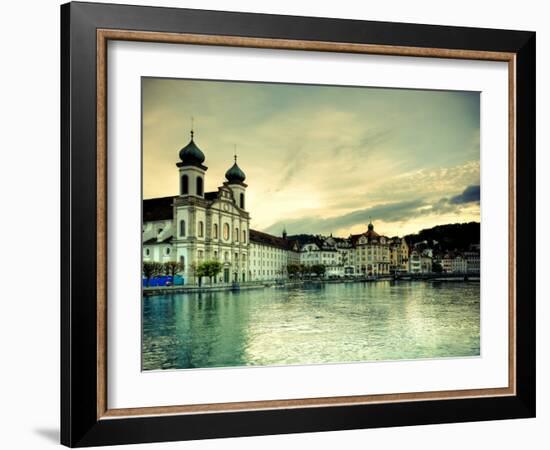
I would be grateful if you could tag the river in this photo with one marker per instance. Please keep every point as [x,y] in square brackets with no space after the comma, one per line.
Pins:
[331,323]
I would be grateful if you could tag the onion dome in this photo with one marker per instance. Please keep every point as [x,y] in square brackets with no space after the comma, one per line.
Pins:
[235,174]
[371,234]
[191,155]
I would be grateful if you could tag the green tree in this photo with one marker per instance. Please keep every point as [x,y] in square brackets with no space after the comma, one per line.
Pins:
[294,270]
[151,269]
[208,269]
[211,269]
[318,269]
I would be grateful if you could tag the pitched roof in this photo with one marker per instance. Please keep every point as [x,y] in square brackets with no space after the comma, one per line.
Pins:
[267,239]
[158,209]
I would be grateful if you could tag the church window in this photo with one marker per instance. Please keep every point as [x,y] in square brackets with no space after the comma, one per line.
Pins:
[236,235]
[184,185]
[241,200]
[199,186]
[215,231]
[167,250]
[201,229]
[182,228]
[226,231]
[182,262]
[147,252]
[244,236]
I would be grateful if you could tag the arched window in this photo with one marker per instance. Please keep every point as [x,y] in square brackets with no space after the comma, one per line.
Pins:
[184,185]
[199,186]
[182,228]
[244,236]
[215,231]
[147,252]
[167,250]
[226,231]
[241,200]
[182,262]
[236,235]
[201,229]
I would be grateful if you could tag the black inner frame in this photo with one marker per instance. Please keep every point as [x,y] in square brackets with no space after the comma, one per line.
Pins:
[79,424]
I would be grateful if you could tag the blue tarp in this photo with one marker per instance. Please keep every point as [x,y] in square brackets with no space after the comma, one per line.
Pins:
[163,281]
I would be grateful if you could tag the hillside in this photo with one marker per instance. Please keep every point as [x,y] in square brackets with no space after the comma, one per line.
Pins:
[453,236]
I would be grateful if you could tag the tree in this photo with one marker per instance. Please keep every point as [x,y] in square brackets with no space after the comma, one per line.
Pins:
[211,269]
[293,270]
[151,269]
[171,268]
[208,269]
[318,269]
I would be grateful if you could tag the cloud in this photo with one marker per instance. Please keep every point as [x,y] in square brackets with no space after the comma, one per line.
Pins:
[386,212]
[319,156]
[470,195]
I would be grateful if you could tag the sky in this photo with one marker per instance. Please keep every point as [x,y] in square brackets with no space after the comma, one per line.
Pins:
[322,159]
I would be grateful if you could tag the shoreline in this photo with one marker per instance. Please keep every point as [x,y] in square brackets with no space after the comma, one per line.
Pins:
[161,290]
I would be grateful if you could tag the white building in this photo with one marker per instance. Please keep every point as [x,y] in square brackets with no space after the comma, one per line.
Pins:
[454,263]
[270,256]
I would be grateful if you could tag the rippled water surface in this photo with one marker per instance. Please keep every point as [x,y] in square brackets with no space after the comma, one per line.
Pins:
[325,324]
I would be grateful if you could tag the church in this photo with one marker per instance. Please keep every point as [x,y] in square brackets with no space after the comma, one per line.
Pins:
[197,226]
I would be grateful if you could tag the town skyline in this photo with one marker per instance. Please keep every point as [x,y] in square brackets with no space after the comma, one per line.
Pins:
[322,160]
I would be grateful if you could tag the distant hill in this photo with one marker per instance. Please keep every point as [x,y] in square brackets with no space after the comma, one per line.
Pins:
[453,236]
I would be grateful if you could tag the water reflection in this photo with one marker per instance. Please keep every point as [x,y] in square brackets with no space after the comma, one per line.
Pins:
[316,324]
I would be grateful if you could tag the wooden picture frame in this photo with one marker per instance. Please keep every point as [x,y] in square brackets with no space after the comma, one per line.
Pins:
[86,418]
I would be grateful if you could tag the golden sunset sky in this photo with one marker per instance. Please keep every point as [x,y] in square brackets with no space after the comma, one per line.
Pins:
[322,159]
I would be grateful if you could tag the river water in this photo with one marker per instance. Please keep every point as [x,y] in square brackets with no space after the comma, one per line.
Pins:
[331,323]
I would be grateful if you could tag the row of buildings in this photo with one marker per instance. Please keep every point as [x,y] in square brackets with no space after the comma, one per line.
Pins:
[196,226]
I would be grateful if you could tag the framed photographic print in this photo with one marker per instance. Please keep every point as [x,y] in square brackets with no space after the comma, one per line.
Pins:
[277,224]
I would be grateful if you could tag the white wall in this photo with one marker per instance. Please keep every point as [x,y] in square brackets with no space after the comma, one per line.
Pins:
[29,320]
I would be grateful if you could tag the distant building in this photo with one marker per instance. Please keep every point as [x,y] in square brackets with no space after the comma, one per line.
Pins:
[269,257]
[472,261]
[372,253]
[399,255]
[415,263]
[454,263]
